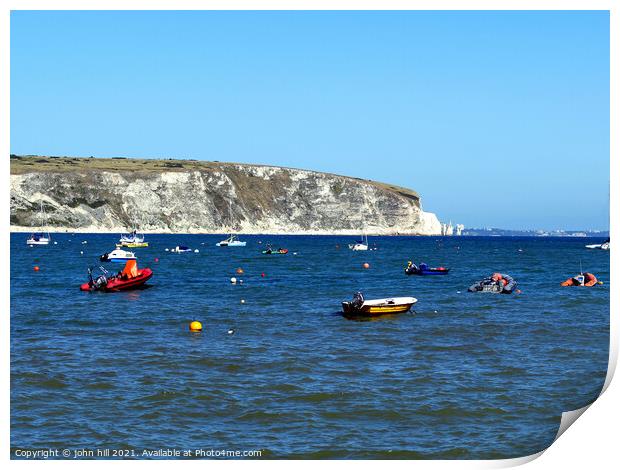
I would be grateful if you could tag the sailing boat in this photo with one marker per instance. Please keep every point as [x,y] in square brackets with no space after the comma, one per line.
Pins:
[132,240]
[232,240]
[360,245]
[39,238]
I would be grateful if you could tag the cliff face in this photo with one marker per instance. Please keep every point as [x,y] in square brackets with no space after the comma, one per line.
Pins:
[93,195]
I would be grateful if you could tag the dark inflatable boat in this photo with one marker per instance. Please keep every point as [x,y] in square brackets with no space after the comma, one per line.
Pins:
[497,283]
[425,270]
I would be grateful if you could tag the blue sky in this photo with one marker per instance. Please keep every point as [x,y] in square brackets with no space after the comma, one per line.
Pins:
[496,118]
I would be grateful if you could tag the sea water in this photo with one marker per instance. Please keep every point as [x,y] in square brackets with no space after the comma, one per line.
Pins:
[463,375]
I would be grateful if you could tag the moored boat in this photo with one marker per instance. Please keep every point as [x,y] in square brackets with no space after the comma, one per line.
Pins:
[582,280]
[117,256]
[271,251]
[360,245]
[39,238]
[129,278]
[132,240]
[360,306]
[181,249]
[497,283]
[132,245]
[425,270]
[599,246]
[233,240]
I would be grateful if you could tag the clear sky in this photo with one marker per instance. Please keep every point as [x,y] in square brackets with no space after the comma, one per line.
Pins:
[496,118]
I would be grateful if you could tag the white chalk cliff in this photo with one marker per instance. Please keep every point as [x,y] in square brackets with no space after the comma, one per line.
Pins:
[102,195]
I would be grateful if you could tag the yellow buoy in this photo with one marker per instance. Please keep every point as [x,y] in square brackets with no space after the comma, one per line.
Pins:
[239,271]
[195,326]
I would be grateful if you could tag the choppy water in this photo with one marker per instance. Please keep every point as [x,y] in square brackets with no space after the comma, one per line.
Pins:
[464,376]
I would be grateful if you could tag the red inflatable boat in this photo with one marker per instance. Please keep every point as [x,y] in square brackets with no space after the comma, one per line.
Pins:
[129,278]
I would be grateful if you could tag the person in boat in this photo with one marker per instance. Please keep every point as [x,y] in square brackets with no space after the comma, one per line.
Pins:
[497,282]
[411,267]
[269,249]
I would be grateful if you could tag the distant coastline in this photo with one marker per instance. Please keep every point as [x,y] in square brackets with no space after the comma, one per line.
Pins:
[343,233]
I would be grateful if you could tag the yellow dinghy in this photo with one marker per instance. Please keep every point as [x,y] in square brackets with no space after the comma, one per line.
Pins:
[360,306]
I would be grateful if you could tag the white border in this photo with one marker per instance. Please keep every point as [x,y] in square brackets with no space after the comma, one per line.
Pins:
[592,442]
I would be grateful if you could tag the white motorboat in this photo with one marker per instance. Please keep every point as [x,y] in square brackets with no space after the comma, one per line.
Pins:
[181,249]
[117,256]
[233,240]
[599,246]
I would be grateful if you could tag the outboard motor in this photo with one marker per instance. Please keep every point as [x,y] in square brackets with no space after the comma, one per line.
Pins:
[358,301]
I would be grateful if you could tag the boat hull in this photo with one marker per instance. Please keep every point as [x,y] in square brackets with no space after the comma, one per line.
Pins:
[223,244]
[438,272]
[370,309]
[118,284]
[358,247]
[132,245]
[37,242]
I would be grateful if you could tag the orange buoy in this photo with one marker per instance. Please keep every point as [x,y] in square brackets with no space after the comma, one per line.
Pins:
[365,265]
[195,326]
[36,268]
[239,271]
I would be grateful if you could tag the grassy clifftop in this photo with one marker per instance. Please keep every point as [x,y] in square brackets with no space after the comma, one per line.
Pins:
[21,164]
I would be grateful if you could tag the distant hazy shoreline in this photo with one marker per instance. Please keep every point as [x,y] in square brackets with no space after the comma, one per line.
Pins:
[317,233]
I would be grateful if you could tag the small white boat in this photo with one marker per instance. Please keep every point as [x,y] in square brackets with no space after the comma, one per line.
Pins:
[39,238]
[181,249]
[233,240]
[599,246]
[360,245]
[117,256]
